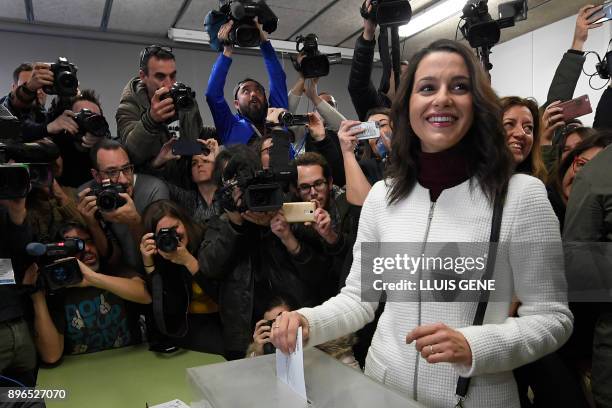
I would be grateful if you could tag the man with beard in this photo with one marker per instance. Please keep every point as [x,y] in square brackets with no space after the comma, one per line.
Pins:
[112,166]
[92,316]
[249,95]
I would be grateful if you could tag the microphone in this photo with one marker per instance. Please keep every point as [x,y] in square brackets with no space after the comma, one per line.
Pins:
[69,247]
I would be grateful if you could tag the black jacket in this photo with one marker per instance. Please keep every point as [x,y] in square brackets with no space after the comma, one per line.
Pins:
[252,265]
[13,241]
[363,92]
[330,149]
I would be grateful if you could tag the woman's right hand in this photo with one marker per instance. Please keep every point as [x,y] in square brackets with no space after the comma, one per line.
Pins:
[552,119]
[148,248]
[348,136]
[284,331]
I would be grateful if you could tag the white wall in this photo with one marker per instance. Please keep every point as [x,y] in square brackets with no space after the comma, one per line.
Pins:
[525,65]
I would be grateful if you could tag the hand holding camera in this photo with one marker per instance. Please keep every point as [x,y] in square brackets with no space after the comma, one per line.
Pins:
[147,250]
[41,76]
[121,214]
[261,336]
[87,206]
[315,126]
[586,20]
[169,246]
[323,226]
[347,134]
[161,110]
[369,26]
[64,122]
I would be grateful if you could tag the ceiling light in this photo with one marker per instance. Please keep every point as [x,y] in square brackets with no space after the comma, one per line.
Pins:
[431,16]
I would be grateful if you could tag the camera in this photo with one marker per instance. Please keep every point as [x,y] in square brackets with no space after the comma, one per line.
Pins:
[107,196]
[244,32]
[269,348]
[314,64]
[388,12]
[262,190]
[182,95]
[90,122]
[31,160]
[57,272]
[65,82]
[481,30]
[604,67]
[288,119]
[167,240]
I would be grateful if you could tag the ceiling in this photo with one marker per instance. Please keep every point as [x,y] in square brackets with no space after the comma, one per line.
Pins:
[336,22]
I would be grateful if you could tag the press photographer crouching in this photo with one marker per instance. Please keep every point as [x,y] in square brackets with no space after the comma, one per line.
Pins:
[155,108]
[80,304]
[117,196]
[183,308]
[251,255]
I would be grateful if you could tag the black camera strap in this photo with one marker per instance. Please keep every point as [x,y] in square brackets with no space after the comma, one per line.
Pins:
[463,383]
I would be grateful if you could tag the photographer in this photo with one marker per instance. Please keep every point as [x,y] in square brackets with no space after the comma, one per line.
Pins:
[249,95]
[17,352]
[564,83]
[199,200]
[253,256]
[27,102]
[182,303]
[126,195]
[95,315]
[147,115]
[363,93]
[85,125]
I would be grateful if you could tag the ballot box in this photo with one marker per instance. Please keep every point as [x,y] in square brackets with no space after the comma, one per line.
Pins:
[252,383]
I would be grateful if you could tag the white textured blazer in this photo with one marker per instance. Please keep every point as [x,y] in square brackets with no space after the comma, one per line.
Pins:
[502,343]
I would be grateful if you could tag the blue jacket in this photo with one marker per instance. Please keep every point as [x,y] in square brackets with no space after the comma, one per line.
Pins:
[235,128]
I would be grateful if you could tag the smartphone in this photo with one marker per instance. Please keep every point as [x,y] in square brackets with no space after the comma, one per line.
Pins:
[607,13]
[185,147]
[370,130]
[299,212]
[576,107]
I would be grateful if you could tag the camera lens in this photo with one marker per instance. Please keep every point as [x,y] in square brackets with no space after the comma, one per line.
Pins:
[107,201]
[167,242]
[59,274]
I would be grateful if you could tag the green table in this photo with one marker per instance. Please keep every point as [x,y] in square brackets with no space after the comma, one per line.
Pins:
[126,377]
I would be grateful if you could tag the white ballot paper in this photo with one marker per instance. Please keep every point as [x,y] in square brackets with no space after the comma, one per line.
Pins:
[290,368]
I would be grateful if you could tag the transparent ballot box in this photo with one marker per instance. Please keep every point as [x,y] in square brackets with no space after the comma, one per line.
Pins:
[252,383]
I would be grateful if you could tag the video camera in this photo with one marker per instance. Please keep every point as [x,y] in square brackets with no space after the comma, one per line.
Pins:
[481,30]
[107,195]
[244,32]
[57,272]
[262,190]
[31,160]
[289,119]
[388,12]
[65,82]
[91,122]
[314,64]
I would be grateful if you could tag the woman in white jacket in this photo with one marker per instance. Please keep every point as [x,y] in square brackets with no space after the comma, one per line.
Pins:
[449,161]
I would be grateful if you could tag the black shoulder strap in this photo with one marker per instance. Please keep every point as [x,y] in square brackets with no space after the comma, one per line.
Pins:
[498,209]
[157,295]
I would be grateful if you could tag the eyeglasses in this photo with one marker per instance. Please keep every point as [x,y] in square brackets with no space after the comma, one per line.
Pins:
[318,185]
[579,163]
[113,174]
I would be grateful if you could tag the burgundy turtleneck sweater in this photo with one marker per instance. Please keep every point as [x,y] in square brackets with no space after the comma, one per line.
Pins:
[442,170]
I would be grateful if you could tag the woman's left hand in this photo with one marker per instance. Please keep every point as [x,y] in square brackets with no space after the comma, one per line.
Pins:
[438,343]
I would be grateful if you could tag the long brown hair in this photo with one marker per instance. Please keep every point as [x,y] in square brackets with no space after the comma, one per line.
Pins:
[533,163]
[161,208]
[489,159]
